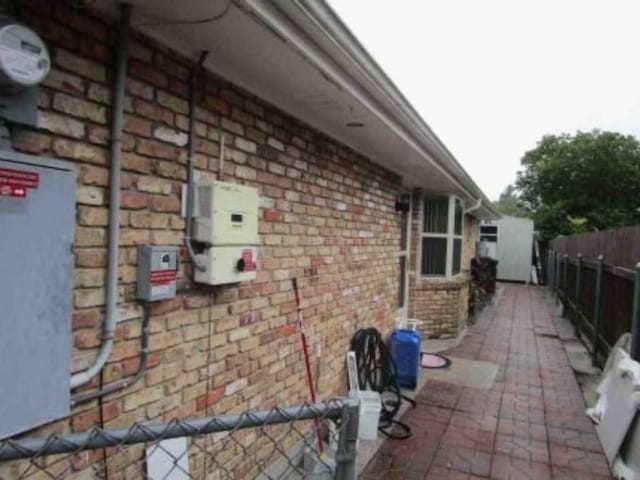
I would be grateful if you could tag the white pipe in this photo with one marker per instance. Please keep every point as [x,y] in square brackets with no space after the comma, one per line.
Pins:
[474,207]
[109,328]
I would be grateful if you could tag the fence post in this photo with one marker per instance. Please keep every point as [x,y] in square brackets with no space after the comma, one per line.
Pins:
[556,274]
[564,273]
[635,319]
[597,309]
[346,454]
[577,300]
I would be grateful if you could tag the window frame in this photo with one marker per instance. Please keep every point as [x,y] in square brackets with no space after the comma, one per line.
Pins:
[450,235]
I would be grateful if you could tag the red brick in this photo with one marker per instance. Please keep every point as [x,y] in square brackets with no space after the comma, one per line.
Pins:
[153,112]
[87,339]
[134,200]
[210,398]
[85,319]
[155,149]
[271,215]
[85,420]
[130,366]
[165,204]
[137,126]
[31,142]
[166,306]
[148,73]
[154,359]
[288,329]
[110,410]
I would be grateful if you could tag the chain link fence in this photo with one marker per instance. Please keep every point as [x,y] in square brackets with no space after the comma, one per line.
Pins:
[281,443]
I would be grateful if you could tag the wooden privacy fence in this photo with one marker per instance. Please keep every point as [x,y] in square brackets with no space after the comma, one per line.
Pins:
[620,247]
[602,300]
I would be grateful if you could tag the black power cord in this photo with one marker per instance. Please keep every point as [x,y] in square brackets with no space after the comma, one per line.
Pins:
[377,371]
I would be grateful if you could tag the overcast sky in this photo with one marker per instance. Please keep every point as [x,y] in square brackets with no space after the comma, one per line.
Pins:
[491,77]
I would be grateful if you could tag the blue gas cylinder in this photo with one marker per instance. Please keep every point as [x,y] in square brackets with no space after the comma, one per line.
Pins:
[404,344]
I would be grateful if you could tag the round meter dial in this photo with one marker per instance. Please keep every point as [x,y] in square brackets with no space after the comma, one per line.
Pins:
[24,58]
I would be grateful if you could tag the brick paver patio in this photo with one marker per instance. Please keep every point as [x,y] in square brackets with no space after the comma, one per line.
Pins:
[529,425]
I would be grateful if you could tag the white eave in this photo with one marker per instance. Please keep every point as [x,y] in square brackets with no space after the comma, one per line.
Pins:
[299,56]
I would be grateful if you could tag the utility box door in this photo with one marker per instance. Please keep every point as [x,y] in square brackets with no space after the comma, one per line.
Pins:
[37,217]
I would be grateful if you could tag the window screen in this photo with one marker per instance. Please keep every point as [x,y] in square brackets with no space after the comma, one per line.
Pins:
[457,255]
[436,214]
[457,229]
[434,256]
[489,229]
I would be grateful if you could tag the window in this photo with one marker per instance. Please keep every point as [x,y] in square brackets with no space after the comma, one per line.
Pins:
[488,233]
[442,236]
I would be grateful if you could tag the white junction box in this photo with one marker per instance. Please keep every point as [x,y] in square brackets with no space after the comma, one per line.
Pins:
[227,223]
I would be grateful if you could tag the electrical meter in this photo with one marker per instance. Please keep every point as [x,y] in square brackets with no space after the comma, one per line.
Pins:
[24,58]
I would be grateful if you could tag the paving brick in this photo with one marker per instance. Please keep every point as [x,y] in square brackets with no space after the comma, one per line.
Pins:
[579,460]
[521,447]
[465,460]
[506,467]
[529,425]
[567,437]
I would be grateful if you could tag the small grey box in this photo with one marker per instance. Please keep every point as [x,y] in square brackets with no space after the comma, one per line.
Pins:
[157,271]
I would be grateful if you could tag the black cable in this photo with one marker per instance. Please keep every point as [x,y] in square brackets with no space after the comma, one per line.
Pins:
[377,371]
[102,425]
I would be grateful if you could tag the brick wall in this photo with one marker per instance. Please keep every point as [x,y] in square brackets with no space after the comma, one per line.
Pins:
[326,216]
[440,303]
[469,240]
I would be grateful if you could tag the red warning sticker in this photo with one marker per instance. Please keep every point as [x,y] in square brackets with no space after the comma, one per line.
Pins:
[12,191]
[14,183]
[162,277]
[249,263]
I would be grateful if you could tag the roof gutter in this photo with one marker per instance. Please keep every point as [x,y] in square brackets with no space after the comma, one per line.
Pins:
[321,14]
[276,19]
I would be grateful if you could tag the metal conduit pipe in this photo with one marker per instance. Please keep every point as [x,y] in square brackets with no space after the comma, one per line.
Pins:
[125,382]
[192,138]
[109,327]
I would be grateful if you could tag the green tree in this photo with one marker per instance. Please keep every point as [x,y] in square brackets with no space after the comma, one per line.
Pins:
[509,203]
[583,182]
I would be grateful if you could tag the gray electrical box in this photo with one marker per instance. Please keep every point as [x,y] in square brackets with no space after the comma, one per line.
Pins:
[157,271]
[37,221]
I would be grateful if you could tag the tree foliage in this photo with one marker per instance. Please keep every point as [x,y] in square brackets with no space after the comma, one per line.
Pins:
[583,182]
[510,204]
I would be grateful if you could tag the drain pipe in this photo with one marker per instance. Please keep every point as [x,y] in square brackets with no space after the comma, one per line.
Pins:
[109,327]
[192,147]
[474,207]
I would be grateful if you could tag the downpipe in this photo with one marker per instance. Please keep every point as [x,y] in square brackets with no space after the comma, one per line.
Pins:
[193,83]
[474,207]
[122,52]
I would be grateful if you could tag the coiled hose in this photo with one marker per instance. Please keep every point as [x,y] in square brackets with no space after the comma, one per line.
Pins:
[377,371]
